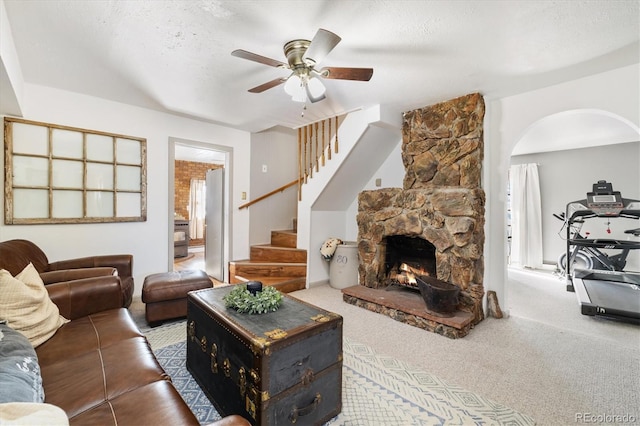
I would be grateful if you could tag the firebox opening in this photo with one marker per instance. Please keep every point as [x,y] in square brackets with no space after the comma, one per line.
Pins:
[407,257]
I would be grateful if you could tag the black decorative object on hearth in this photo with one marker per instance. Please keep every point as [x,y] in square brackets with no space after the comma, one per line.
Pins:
[441,297]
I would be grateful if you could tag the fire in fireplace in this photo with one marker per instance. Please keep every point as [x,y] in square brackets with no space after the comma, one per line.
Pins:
[410,262]
[407,257]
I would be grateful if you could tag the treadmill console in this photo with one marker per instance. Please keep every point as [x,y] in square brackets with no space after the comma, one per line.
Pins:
[603,200]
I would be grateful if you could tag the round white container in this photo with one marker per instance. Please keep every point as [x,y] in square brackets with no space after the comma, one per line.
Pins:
[343,268]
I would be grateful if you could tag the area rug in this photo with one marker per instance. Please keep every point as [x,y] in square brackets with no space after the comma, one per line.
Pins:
[376,390]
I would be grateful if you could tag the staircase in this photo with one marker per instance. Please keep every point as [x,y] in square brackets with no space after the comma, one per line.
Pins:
[279,264]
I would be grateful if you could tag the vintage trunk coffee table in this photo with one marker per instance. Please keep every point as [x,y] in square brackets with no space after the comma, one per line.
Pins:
[278,368]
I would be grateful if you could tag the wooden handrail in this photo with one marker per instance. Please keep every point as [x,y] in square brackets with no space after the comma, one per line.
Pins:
[313,143]
[262,197]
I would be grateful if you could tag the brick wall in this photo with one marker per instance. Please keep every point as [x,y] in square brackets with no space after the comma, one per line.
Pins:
[184,172]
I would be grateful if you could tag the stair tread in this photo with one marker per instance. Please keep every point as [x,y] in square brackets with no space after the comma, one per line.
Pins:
[277,247]
[267,280]
[279,263]
[262,262]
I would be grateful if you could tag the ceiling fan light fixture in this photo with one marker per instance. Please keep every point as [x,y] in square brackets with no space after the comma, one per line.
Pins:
[316,88]
[294,87]
[299,97]
[302,87]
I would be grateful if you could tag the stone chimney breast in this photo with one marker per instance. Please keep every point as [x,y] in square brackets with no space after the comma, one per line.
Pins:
[441,201]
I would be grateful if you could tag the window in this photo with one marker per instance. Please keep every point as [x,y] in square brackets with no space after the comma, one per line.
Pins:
[58,174]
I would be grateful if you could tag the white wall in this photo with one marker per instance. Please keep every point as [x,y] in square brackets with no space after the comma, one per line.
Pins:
[367,138]
[567,176]
[316,225]
[507,119]
[11,82]
[147,241]
[277,149]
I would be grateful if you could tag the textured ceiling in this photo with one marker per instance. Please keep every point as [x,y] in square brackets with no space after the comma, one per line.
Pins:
[175,56]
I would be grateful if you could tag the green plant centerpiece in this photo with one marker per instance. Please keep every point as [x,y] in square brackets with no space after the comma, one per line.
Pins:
[245,302]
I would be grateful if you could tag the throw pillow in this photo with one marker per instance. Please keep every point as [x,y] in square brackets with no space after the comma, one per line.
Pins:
[329,247]
[32,414]
[20,379]
[26,305]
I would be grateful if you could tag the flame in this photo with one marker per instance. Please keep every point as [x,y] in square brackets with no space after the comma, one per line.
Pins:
[407,274]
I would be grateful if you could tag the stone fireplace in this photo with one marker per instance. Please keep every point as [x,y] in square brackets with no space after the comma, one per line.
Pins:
[434,224]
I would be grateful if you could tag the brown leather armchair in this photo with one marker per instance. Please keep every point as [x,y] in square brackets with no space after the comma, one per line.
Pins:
[15,255]
[99,368]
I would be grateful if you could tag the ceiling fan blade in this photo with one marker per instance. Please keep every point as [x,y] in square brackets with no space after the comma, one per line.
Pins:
[268,85]
[323,42]
[337,73]
[239,53]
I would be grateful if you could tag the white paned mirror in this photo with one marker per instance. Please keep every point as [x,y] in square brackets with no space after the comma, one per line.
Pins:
[99,176]
[99,204]
[128,151]
[31,203]
[67,174]
[34,139]
[128,178]
[59,174]
[65,143]
[67,204]
[30,171]
[99,148]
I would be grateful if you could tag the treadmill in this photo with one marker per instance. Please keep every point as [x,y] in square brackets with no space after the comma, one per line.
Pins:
[605,293]
[611,294]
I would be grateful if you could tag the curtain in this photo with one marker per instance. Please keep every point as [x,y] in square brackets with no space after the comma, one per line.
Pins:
[197,194]
[526,216]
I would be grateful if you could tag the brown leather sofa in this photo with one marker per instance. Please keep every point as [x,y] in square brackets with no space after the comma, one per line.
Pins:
[99,368]
[16,254]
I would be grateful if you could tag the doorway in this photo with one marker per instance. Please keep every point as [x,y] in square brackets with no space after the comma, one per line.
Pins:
[201,156]
[572,149]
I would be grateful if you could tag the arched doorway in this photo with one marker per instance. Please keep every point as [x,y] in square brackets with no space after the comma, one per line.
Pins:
[572,149]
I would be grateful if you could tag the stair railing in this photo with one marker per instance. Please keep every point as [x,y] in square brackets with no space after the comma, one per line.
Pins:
[269,194]
[316,141]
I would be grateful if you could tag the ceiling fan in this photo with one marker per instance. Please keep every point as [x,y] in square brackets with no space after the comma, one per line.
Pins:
[303,56]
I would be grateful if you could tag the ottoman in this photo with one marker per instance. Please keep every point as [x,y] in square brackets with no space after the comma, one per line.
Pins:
[165,294]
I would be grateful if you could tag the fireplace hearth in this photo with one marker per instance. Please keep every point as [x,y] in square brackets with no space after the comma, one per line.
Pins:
[433,226]
[407,306]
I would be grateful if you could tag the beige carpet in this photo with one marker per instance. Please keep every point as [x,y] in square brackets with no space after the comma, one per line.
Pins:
[376,389]
[546,360]
[548,372]
[541,296]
